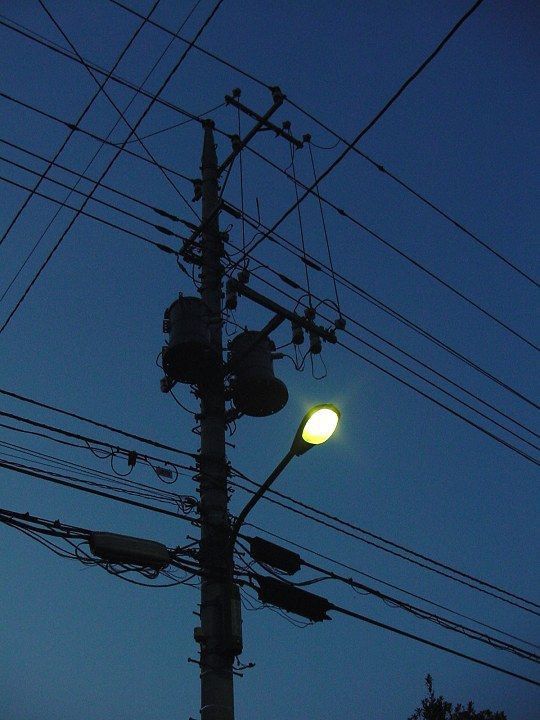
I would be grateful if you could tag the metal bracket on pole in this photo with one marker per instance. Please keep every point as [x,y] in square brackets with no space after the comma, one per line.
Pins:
[264,119]
[199,230]
[242,289]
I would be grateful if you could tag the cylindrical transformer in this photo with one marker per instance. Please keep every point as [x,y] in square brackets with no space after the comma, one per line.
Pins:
[189,357]
[255,389]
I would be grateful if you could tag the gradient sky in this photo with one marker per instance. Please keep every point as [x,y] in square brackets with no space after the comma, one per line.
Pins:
[76,642]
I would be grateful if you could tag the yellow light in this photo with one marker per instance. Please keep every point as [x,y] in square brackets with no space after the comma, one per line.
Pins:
[320,426]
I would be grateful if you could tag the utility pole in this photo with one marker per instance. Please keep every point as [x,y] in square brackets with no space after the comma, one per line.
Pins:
[194,356]
[216,641]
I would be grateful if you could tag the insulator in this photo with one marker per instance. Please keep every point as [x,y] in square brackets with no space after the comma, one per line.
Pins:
[189,357]
[236,143]
[236,92]
[306,138]
[297,335]
[286,124]
[197,190]
[340,323]
[255,390]
[315,344]
[309,313]
[231,296]
[166,325]
[243,276]
[165,384]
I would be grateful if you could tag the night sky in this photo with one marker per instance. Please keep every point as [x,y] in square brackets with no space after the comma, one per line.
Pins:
[78,642]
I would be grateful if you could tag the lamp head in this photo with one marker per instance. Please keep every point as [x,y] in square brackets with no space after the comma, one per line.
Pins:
[317,425]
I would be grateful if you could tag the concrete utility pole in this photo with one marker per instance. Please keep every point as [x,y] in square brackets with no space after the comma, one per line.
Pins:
[216,641]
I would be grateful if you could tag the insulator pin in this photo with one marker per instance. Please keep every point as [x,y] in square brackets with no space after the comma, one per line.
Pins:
[297,335]
[315,344]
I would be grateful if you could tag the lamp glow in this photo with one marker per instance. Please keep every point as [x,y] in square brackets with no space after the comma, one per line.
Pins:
[320,426]
[316,427]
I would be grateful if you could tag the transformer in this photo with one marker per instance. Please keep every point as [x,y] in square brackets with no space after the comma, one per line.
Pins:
[255,389]
[189,357]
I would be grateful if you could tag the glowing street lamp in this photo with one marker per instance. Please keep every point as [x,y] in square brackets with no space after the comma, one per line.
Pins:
[317,426]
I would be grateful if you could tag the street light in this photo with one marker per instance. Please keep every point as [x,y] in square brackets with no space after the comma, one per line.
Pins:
[317,425]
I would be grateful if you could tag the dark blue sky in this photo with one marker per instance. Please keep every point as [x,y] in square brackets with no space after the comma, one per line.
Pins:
[77,642]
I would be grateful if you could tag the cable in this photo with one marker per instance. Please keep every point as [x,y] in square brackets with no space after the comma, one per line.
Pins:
[96,423]
[375,163]
[442,405]
[385,583]
[115,106]
[393,544]
[64,481]
[343,531]
[110,163]
[405,367]
[386,107]
[407,257]
[159,246]
[324,226]
[430,643]
[93,136]
[282,242]
[432,617]
[434,276]
[79,119]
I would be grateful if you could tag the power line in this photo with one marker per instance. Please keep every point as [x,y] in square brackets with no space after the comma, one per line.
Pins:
[127,213]
[377,236]
[356,529]
[82,176]
[159,246]
[92,441]
[487,432]
[430,643]
[115,106]
[375,163]
[109,165]
[318,519]
[65,481]
[92,135]
[75,125]
[96,423]
[347,566]
[288,246]
[414,610]
[370,231]
[404,352]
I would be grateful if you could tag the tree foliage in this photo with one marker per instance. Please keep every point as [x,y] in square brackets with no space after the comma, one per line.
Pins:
[437,708]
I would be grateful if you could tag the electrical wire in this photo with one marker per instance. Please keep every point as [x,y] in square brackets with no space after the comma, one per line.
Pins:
[115,106]
[89,442]
[347,566]
[109,164]
[377,236]
[78,121]
[96,423]
[430,643]
[373,162]
[37,193]
[318,517]
[431,383]
[288,246]
[64,480]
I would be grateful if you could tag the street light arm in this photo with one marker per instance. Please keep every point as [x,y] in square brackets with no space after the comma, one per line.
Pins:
[260,492]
